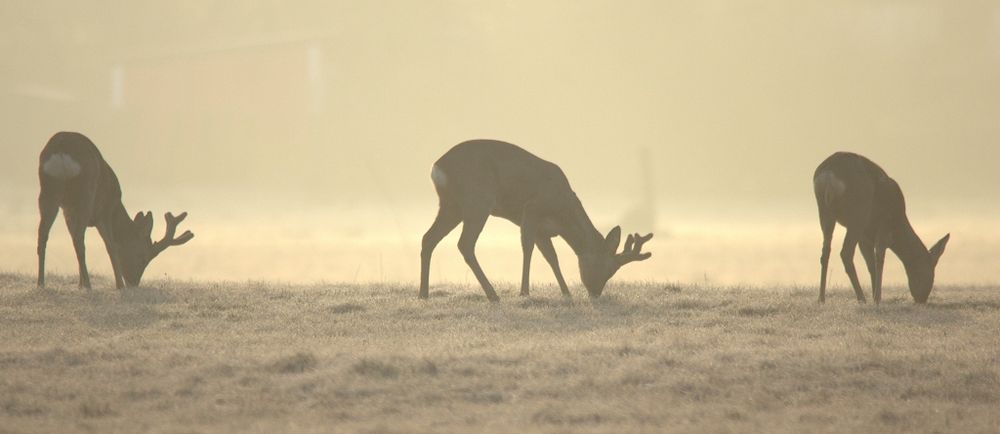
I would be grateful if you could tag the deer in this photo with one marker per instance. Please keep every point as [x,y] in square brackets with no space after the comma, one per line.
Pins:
[479,178]
[855,192]
[75,177]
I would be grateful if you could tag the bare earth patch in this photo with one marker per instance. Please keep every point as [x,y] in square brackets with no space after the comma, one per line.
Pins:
[647,357]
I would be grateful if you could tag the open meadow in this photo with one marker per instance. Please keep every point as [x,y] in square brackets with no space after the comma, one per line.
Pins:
[316,149]
[216,356]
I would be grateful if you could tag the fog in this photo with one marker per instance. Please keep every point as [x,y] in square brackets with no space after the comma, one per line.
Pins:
[300,135]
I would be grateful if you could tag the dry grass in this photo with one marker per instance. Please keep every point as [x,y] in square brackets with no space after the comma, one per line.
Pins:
[237,357]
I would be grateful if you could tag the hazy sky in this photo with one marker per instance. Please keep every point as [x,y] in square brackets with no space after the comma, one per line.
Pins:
[345,102]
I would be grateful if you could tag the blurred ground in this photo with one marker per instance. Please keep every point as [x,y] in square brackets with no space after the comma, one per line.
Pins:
[259,238]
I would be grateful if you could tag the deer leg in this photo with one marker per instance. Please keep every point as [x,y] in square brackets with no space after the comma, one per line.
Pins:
[107,234]
[868,252]
[444,223]
[827,224]
[549,253]
[473,222]
[527,248]
[847,255]
[77,230]
[48,209]
[879,267]
[528,223]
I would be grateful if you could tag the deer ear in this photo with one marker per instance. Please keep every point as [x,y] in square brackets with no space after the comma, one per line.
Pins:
[613,239]
[938,249]
[138,216]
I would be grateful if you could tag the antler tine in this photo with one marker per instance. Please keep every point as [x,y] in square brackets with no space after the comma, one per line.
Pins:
[629,242]
[640,240]
[168,238]
[633,249]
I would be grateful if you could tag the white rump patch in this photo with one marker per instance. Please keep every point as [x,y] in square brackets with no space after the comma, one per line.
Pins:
[828,186]
[61,166]
[438,177]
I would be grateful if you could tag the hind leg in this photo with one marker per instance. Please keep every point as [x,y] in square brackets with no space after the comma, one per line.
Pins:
[847,255]
[48,209]
[827,224]
[77,230]
[446,220]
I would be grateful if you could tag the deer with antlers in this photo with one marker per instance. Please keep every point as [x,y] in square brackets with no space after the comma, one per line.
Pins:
[75,177]
[479,178]
[857,193]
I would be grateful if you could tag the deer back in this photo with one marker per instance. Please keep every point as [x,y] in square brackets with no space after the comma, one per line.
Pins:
[500,173]
[857,192]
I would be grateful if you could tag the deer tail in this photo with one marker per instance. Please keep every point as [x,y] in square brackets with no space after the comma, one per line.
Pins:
[828,187]
[61,166]
[439,178]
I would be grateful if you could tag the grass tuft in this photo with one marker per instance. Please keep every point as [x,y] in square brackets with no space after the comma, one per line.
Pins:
[758,311]
[375,369]
[15,407]
[347,308]
[93,408]
[295,364]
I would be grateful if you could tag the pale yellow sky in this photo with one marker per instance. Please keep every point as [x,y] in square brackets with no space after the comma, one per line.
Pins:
[301,134]
[733,99]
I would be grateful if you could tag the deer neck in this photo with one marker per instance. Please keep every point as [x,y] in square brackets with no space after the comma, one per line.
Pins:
[122,223]
[907,245]
[578,231]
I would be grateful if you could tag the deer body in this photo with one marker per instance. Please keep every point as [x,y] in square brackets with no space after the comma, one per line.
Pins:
[75,177]
[479,178]
[855,192]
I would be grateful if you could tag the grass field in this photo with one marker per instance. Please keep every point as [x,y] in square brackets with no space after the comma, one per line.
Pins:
[178,356]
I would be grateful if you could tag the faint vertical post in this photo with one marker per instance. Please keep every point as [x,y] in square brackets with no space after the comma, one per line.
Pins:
[117,86]
[314,74]
[643,215]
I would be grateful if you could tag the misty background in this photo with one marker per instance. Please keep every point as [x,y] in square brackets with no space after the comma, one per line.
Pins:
[300,135]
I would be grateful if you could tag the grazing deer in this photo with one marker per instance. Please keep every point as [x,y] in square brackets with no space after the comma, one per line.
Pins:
[857,193]
[479,178]
[74,176]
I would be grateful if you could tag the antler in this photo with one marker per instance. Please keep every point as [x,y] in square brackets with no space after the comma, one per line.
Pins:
[168,238]
[633,249]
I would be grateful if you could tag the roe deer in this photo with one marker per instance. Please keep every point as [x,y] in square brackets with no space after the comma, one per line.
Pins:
[479,178]
[857,193]
[74,176]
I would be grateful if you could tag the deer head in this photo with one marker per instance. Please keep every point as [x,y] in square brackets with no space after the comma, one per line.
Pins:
[136,247]
[599,266]
[920,273]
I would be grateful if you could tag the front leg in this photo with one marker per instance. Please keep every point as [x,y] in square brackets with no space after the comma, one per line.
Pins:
[847,255]
[474,218]
[868,252]
[879,266]
[549,253]
[529,220]
[77,232]
[107,234]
